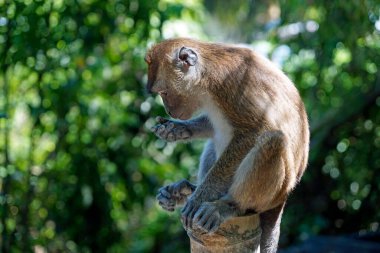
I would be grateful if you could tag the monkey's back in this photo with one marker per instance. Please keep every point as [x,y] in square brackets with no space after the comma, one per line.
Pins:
[257,95]
[284,110]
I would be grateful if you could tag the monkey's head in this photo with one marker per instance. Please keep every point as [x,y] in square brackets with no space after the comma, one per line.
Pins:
[173,73]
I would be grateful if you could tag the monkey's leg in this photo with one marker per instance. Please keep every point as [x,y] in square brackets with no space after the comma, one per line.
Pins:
[175,130]
[270,224]
[263,178]
[212,214]
[218,179]
[259,184]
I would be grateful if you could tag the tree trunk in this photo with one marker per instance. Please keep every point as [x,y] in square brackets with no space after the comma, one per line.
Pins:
[239,234]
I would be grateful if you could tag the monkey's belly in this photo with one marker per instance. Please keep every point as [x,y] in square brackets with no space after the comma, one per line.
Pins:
[238,234]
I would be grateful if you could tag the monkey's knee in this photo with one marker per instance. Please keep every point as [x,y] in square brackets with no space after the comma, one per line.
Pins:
[270,145]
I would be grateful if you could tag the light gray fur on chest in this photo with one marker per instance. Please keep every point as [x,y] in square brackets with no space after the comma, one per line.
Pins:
[222,129]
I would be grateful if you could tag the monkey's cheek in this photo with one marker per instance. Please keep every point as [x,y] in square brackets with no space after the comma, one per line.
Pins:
[170,112]
[182,115]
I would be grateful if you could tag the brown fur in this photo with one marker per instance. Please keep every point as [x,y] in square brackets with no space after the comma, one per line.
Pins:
[267,150]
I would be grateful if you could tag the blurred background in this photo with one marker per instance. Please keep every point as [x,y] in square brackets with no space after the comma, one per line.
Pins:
[79,169]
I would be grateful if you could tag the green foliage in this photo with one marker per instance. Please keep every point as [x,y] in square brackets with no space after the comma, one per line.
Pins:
[79,169]
[335,69]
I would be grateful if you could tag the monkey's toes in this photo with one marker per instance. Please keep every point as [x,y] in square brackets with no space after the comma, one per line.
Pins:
[187,215]
[209,225]
[208,218]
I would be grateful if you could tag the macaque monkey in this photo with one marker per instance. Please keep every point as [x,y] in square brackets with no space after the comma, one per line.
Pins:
[256,125]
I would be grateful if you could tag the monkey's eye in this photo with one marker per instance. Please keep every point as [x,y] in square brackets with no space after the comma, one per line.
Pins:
[147,59]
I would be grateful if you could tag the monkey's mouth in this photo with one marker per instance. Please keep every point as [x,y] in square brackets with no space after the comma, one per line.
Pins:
[175,115]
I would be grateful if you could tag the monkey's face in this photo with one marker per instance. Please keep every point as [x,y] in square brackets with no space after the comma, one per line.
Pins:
[176,105]
[172,73]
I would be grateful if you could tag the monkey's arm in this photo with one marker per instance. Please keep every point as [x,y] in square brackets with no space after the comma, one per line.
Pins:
[174,130]
[173,195]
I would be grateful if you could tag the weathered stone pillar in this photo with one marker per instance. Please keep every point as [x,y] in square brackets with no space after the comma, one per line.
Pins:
[236,235]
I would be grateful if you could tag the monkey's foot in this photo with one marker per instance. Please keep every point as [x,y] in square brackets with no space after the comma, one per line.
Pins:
[208,217]
[174,194]
[211,214]
[193,204]
[170,130]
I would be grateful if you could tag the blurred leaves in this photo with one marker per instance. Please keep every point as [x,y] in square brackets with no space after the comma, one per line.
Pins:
[78,167]
[80,176]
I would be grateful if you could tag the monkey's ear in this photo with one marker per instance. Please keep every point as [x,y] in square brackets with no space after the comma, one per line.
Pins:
[187,56]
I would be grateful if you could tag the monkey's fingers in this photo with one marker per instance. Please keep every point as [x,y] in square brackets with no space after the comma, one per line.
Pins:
[166,203]
[165,197]
[161,120]
[154,128]
[169,207]
[159,130]
[170,137]
[165,192]
[163,130]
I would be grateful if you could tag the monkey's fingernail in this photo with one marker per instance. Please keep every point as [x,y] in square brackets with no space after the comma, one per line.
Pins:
[165,193]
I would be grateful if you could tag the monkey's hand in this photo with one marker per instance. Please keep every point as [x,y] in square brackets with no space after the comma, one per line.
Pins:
[170,130]
[211,214]
[175,194]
